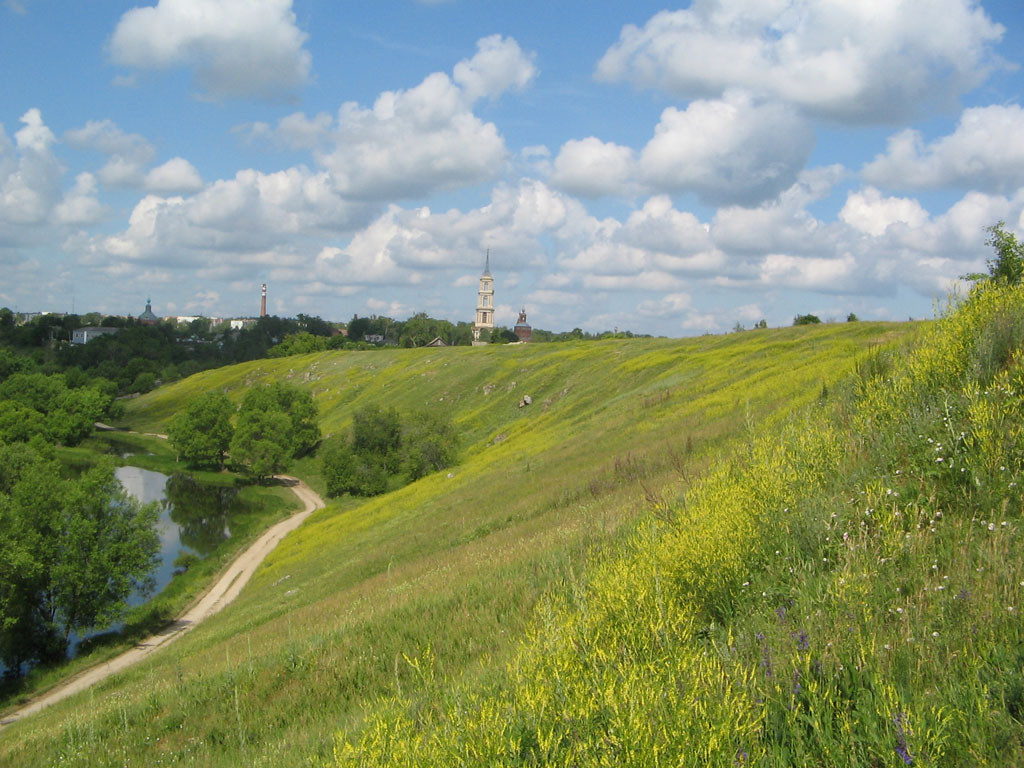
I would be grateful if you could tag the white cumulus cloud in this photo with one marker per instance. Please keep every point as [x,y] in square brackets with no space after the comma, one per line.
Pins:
[80,205]
[176,175]
[127,154]
[867,211]
[732,150]
[591,168]
[985,152]
[237,48]
[30,174]
[416,141]
[875,60]
[498,66]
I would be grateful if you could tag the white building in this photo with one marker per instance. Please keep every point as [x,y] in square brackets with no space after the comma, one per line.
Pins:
[90,332]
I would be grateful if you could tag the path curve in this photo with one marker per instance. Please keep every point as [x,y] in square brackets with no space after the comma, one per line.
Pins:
[223,592]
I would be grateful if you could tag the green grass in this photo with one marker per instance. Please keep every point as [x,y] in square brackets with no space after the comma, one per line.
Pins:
[425,594]
[846,592]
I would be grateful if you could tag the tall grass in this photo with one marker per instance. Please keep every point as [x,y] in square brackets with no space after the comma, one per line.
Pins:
[848,593]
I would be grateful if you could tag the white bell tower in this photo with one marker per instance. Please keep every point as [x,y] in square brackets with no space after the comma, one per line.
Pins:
[484,302]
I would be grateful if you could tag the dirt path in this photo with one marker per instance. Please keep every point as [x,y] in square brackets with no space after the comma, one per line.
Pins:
[223,592]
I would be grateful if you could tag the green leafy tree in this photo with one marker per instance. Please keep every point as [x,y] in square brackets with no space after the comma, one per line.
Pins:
[503,336]
[76,413]
[346,471]
[377,431]
[298,405]
[299,344]
[72,551]
[303,432]
[202,433]
[262,442]
[35,390]
[11,362]
[18,423]
[806,320]
[357,328]
[144,382]
[1008,265]
[429,444]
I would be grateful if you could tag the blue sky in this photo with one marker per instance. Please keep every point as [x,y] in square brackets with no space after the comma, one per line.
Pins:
[672,170]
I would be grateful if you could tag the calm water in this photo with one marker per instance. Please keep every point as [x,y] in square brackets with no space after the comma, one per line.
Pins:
[193,516]
[194,519]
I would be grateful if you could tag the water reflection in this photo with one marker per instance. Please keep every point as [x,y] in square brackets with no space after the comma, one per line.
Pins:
[202,512]
[194,516]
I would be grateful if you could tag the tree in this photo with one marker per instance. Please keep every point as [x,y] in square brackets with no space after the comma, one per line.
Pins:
[806,320]
[381,445]
[202,433]
[19,423]
[302,432]
[1008,265]
[262,442]
[76,413]
[377,431]
[429,444]
[761,324]
[71,553]
[35,390]
[346,471]
[298,344]
[852,318]
[357,328]
[503,336]
[298,405]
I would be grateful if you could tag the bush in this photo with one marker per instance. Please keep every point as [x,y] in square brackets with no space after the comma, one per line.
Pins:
[381,446]
[806,320]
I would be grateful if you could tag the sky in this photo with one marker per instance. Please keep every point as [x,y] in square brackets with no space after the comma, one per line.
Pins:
[668,169]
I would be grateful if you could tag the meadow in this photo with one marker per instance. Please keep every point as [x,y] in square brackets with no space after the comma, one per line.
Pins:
[431,625]
[847,592]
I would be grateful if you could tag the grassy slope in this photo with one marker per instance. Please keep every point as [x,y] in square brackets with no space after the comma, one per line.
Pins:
[457,565]
[847,593]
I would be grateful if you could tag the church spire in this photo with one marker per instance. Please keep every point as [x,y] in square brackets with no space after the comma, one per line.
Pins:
[484,303]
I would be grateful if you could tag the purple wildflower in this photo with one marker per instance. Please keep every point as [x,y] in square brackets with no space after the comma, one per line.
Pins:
[901,740]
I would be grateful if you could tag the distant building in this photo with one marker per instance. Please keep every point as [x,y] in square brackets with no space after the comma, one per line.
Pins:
[484,303]
[241,323]
[373,338]
[436,342]
[87,334]
[522,329]
[147,317]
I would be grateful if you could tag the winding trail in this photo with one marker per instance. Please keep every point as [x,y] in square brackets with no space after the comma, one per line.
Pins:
[223,592]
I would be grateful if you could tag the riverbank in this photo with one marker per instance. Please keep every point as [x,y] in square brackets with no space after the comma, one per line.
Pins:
[266,505]
[223,592]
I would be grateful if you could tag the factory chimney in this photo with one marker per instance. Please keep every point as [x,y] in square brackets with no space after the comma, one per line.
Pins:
[263,301]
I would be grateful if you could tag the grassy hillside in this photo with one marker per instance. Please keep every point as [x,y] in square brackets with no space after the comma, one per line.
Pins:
[848,593]
[431,588]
